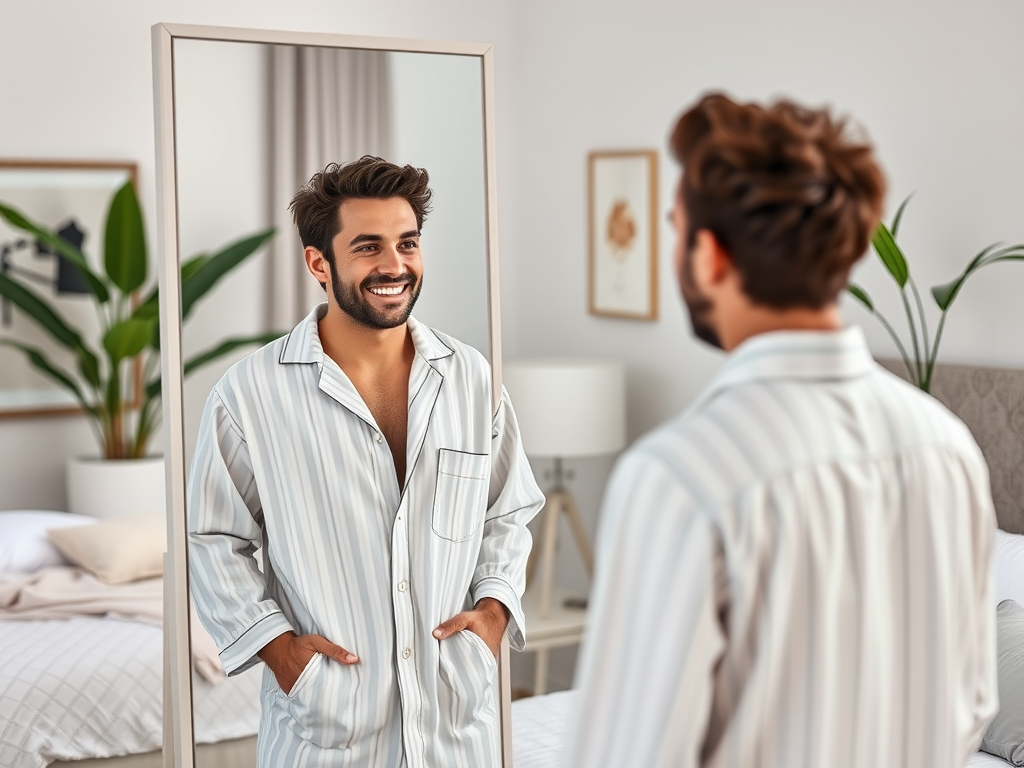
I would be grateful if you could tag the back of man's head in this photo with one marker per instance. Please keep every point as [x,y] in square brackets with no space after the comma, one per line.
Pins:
[315,207]
[789,195]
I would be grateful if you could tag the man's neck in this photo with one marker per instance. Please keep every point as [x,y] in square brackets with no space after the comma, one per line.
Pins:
[756,319]
[360,350]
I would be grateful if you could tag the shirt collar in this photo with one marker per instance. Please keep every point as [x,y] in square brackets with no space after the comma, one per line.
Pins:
[303,343]
[796,356]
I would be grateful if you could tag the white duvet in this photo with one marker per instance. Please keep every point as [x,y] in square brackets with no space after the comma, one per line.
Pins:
[92,687]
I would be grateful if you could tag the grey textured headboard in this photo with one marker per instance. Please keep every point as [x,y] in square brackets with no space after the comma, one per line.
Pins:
[990,401]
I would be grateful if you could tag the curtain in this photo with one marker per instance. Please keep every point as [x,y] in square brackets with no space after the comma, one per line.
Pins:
[326,105]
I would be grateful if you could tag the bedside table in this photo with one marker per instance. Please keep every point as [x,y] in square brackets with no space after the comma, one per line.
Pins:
[563,627]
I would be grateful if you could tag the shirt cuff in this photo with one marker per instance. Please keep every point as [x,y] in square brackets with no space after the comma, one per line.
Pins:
[502,591]
[241,654]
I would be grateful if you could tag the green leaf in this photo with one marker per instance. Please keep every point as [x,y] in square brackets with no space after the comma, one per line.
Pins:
[228,345]
[89,366]
[891,255]
[149,307]
[124,244]
[153,389]
[127,339]
[899,215]
[980,257]
[861,295]
[206,275]
[191,266]
[33,305]
[57,243]
[39,361]
[945,294]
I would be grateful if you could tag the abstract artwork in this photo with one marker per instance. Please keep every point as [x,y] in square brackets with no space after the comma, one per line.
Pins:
[623,234]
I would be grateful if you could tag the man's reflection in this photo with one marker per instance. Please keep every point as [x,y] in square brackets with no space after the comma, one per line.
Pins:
[362,453]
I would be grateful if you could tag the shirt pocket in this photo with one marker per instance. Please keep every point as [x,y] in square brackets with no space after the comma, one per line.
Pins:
[460,496]
[466,674]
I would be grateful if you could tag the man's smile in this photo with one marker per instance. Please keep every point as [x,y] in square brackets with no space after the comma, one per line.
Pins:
[388,290]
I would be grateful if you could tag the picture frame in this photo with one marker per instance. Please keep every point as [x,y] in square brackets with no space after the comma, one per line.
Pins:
[71,197]
[622,205]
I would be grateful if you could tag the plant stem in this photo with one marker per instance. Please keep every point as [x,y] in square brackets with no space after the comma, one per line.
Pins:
[899,346]
[913,336]
[935,351]
[925,341]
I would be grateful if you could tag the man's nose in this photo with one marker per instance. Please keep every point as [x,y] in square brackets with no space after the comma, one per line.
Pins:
[390,262]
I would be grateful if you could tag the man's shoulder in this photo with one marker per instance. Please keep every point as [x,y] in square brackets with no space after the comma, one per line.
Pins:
[252,367]
[458,352]
[459,348]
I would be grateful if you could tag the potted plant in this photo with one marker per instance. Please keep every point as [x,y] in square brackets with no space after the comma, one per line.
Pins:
[103,379]
[920,359]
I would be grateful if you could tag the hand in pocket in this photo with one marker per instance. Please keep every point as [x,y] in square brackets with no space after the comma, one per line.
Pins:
[288,654]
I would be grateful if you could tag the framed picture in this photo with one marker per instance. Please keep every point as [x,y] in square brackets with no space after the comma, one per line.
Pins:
[71,198]
[623,234]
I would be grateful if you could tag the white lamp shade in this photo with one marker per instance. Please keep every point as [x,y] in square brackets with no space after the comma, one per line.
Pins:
[568,408]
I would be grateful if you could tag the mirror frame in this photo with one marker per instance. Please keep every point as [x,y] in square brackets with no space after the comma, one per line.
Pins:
[179,744]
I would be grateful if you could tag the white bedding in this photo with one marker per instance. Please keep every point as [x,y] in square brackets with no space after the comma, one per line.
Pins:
[539,722]
[91,687]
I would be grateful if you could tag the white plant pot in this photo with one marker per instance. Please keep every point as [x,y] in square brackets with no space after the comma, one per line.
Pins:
[107,488]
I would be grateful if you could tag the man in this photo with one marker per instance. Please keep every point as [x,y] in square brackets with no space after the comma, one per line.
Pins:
[362,453]
[794,573]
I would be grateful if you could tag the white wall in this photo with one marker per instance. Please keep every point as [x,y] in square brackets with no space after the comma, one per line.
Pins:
[81,73]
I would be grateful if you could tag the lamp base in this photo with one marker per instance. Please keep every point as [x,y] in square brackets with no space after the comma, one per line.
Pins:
[559,501]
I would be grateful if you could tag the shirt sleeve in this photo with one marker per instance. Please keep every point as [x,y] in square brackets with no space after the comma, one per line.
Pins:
[513,500]
[654,635]
[225,530]
[981,670]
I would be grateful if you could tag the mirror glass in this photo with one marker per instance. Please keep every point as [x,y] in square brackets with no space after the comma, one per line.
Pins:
[253,122]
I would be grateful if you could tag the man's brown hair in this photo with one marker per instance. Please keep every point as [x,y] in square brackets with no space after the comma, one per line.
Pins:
[788,194]
[316,206]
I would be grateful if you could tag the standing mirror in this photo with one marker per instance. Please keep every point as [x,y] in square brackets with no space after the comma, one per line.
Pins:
[243,119]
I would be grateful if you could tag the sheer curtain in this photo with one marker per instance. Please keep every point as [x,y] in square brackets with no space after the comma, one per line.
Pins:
[326,105]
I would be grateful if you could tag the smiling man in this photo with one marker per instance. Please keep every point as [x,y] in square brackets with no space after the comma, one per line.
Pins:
[361,452]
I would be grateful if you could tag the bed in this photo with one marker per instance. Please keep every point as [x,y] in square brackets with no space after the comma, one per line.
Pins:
[81,676]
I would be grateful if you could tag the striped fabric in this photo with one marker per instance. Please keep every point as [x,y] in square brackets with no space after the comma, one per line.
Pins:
[795,573]
[290,458]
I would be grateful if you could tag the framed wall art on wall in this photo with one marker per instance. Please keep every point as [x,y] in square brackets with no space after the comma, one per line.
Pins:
[71,199]
[623,233]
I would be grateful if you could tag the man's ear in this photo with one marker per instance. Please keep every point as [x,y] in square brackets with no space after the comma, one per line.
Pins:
[317,265]
[712,264]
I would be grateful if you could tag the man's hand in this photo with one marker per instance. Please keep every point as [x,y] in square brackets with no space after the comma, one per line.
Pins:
[488,621]
[287,655]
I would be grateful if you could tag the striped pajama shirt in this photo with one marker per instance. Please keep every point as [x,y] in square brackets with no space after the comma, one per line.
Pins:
[795,573]
[290,459]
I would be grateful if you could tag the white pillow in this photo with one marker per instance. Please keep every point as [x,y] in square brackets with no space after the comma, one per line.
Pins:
[1009,567]
[24,546]
[116,551]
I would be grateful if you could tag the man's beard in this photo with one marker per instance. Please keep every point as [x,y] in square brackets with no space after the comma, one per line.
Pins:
[350,299]
[697,304]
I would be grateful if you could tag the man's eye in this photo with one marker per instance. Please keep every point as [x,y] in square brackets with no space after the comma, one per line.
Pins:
[410,244]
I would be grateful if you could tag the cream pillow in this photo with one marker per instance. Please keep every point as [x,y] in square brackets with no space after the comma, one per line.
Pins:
[118,550]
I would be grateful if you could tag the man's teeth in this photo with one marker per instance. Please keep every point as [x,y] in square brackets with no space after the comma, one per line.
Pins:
[390,291]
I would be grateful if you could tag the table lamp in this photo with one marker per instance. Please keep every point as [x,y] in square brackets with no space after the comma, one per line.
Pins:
[566,409]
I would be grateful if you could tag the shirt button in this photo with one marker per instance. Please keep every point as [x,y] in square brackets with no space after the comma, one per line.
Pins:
[403,585]
[407,653]
[380,438]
